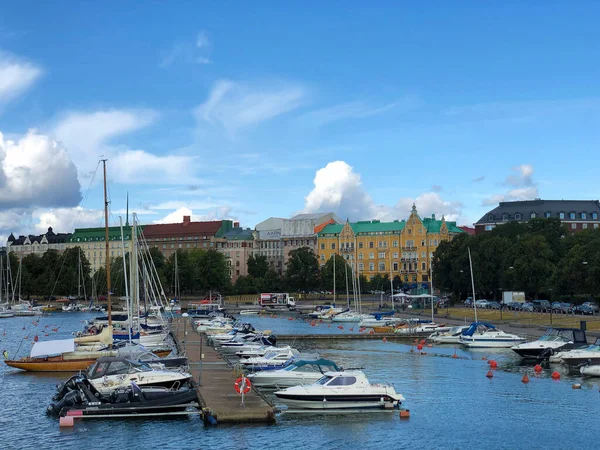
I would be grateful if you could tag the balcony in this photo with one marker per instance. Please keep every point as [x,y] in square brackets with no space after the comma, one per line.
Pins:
[347,250]
[409,249]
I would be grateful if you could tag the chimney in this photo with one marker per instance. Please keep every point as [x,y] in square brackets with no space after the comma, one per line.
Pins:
[186,221]
[433,216]
[236,224]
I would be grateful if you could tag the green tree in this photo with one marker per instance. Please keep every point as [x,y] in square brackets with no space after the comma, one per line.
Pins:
[258,266]
[302,269]
[212,271]
[342,272]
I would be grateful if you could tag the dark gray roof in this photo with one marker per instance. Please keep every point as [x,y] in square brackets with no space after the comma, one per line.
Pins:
[51,237]
[522,210]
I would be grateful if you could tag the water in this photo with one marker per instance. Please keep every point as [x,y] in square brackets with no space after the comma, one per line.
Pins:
[453,405]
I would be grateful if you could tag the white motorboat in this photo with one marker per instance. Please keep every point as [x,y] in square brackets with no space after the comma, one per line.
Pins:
[245,342]
[325,312]
[379,321]
[249,312]
[260,350]
[275,358]
[555,340]
[590,371]
[113,372]
[350,316]
[301,371]
[421,328]
[340,391]
[452,336]
[483,335]
[5,313]
[584,356]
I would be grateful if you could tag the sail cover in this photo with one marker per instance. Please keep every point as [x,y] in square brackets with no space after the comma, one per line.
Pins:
[52,348]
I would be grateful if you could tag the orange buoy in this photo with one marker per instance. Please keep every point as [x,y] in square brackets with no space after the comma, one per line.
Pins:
[525,379]
[341,327]
[490,374]
[351,329]
[405,413]
[555,375]
[537,368]
[384,339]
[576,386]
[419,347]
[422,341]
[46,334]
[290,318]
[36,338]
[493,364]
[454,356]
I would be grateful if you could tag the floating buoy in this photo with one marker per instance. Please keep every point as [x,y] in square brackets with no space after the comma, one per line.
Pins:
[46,334]
[416,341]
[537,368]
[422,341]
[371,332]
[351,329]
[493,364]
[67,421]
[384,339]
[576,386]
[36,338]
[290,318]
[454,356]
[341,327]
[412,350]
[525,379]
[490,374]
[419,347]
[23,328]
[555,375]
[405,413]
[484,358]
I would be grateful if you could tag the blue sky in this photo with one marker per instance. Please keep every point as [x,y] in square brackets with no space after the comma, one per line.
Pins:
[249,110]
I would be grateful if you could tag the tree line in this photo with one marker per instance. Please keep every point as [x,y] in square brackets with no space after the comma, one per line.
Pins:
[538,257]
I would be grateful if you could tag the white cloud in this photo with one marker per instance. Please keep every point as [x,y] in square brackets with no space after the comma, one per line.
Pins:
[65,220]
[522,184]
[196,52]
[140,167]
[36,171]
[177,204]
[16,76]
[233,106]
[202,40]
[219,213]
[339,189]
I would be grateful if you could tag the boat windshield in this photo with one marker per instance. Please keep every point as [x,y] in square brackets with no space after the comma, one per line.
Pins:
[553,338]
[323,380]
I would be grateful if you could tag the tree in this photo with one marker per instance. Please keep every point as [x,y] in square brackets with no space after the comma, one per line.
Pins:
[302,269]
[341,271]
[212,271]
[258,266]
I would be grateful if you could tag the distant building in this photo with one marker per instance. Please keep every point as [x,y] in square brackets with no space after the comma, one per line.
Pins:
[399,248]
[38,244]
[299,231]
[237,244]
[577,215]
[186,235]
[469,230]
[269,244]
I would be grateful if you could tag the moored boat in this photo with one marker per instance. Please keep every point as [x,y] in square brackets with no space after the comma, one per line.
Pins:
[484,335]
[553,341]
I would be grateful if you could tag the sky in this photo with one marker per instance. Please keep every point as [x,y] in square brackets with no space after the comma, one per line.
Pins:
[248,110]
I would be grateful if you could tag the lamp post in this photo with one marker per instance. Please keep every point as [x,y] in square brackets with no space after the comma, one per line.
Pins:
[460,286]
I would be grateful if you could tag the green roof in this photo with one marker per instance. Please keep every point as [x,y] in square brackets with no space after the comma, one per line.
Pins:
[98,234]
[434,226]
[395,227]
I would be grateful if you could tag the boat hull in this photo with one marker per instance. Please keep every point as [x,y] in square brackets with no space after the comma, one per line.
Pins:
[57,364]
[336,402]
[489,343]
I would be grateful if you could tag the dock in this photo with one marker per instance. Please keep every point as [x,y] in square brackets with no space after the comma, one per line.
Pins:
[214,381]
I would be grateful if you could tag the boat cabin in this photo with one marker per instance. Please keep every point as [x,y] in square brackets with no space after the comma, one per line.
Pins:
[339,379]
[115,365]
[319,365]
[574,335]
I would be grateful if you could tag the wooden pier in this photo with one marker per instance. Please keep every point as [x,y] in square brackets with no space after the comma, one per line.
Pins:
[214,381]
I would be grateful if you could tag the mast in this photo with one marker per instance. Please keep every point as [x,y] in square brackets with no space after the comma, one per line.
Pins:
[392,282]
[431,287]
[78,272]
[106,256]
[333,257]
[472,283]
[125,279]
[347,293]
[20,274]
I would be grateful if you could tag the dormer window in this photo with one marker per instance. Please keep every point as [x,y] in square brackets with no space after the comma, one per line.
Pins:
[518,216]
[583,216]
[547,214]
[572,215]
[505,217]
[595,216]
[561,215]
[491,217]
[533,215]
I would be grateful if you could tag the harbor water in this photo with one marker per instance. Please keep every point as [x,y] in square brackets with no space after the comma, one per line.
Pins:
[453,404]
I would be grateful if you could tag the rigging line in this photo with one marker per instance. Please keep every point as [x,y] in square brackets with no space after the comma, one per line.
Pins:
[79,212]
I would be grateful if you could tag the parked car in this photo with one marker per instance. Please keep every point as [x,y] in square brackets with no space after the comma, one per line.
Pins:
[556,306]
[469,302]
[586,309]
[592,305]
[541,305]
[515,306]
[481,303]
[528,307]
[494,305]
[566,308]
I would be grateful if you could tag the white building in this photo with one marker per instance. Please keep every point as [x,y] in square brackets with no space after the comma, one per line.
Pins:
[269,244]
[302,229]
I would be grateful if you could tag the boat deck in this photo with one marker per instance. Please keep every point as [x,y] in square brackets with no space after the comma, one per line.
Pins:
[214,380]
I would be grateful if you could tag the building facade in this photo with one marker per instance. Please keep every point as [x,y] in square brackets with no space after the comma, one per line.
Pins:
[399,248]
[302,231]
[268,242]
[577,215]
[237,244]
[187,235]
[38,244]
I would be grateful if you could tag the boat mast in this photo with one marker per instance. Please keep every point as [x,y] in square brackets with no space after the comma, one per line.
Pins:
[392,282]
[333,258]
[347,293]
[20,274]
[472,283]
[78,273]
[106,256]
[431,287]
[125,278]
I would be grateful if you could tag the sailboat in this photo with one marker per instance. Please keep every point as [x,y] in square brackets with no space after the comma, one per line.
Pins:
[70,355]
[174,306]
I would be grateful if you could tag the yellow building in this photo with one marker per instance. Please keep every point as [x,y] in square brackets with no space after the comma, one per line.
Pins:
[399,248]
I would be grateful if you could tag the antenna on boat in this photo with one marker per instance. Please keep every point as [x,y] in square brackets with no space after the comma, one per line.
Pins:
[472,283]
[106,246]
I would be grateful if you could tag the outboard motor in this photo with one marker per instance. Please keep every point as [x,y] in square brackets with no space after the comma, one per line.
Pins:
[63,388]
[271,339]
[70,399]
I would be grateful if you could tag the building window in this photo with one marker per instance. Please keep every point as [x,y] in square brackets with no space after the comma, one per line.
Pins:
[371,244]
[573,226]
[360,245]
[491,217]
[414,277]
[422,254]
[403,266]
[322,257]
[410,244]
[547,214]
[371,255]
[395,266]
[360,256]
[489,227]
[517,216]
[381,255]
[382,267]
[422,266]
[333,246]
[572,215]
[584,226]
[561,215]
[371,267]
[505,217]
[237,273]
[395,255]
[361,267]
[422,243]
[533,215]
[409,231]
[395,244]
[583,216]
[323,246]
[595,216]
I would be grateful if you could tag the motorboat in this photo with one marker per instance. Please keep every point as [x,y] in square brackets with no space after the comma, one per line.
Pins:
[325,312]
[350,316]
[553,341]
[247,341]
[276,358]
[484,335]
[452,336]
[584,356]
[6,313]
[340,391]
[300,371]
[249,312]
[110,373]
[260,350]
[421,328]
[377,320]
[79,397]
[590,370]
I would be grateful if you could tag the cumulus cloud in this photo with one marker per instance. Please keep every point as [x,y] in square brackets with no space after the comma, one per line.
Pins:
[219,213]
[140,167]
[16,76]
[522,186]
[64,220]
[339,189]
[36,171]
[232,106]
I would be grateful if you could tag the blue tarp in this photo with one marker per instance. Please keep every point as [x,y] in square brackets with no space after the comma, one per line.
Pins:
[469,331]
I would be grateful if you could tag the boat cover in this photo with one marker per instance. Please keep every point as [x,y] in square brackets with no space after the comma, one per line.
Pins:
[52,348]
[469,331]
